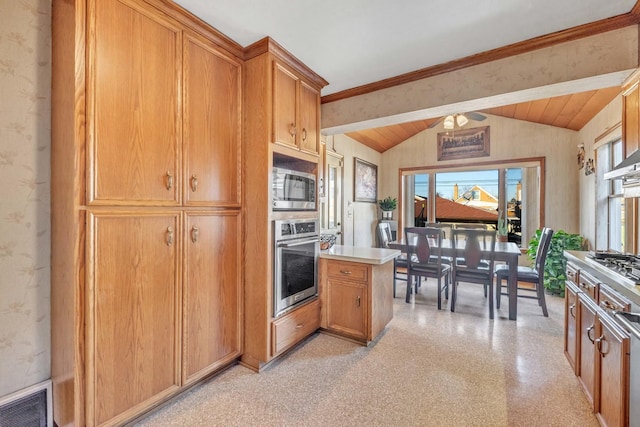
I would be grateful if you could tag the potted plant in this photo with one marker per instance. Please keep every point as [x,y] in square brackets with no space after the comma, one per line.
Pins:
[556,265]
[388,205]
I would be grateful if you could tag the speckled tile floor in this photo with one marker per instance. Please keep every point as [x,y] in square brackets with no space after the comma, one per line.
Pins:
[428,368]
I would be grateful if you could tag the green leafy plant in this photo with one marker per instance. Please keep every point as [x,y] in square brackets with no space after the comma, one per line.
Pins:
[388,204]
[556,264]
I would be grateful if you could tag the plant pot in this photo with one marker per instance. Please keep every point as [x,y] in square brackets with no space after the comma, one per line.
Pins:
[387,214]
[502,238]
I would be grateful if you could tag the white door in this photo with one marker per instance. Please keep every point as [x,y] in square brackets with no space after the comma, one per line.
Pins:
[332,207]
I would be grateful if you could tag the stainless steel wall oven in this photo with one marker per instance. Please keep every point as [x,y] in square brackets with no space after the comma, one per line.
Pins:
[295,262]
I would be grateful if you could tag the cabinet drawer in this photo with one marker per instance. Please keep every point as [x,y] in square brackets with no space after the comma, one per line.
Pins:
[612,300]
[293,327]
[588,284]
[348,271]
[572,273]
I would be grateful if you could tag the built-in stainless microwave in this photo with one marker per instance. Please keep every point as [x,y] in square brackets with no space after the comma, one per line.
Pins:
[293,190]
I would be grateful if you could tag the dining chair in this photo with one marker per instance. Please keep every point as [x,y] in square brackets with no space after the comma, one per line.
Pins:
[383,231]
[474,262]
[533,275]
[425,259]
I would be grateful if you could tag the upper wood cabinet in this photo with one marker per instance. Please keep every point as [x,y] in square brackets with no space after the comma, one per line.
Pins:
[631,113]
[211,124]
[143,126]
[133,106]
[296,118]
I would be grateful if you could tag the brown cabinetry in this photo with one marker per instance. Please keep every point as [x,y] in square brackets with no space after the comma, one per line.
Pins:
[273,82]
[631,113]
[597,347]
[132,290]
[296,115]
[571,324]
[358,303]
[587,358]
[147,227]
[212,294]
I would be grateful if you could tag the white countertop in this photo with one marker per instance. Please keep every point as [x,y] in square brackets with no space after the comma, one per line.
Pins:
[360,254]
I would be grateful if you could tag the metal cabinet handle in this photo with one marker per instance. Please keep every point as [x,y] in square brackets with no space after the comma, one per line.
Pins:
[169,236]
[169,180]
[608,304]
[304,134]
[299,325]
[598,343]
[589,329]
[194,183]
[347,272]
[195,232]
[571,307]
[358,301]
[292,129]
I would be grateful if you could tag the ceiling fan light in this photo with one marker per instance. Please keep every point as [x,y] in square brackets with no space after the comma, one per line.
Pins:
[448,122]
[462,120]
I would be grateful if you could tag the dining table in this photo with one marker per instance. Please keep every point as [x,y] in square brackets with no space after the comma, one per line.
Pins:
[507,252]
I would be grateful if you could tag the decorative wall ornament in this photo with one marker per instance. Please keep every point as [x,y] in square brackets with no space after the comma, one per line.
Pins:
[580,156]
[590,167]
[463,144]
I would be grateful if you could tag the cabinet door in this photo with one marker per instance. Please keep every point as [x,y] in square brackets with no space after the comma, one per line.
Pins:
[132,320]
[347,308]
[586,368]
[309,118]
[630,119]
[212,292]
[133,106]
[285,101]
[211,125]
[612,365]
[571,324]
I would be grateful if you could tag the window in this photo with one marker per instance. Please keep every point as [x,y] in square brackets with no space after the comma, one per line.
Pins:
[610,230]
[475,194]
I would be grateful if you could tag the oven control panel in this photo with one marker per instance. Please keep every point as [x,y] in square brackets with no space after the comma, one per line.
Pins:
[288,229]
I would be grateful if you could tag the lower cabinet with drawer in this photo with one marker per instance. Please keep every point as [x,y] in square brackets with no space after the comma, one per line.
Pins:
[357,298]
[290,329]
[597,348]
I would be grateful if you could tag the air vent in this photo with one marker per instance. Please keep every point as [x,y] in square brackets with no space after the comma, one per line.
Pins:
[29,407]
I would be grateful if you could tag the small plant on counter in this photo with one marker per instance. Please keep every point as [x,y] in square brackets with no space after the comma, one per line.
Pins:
[556,264]
[388,204]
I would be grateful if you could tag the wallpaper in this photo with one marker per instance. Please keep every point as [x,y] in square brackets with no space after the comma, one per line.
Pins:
[25,80]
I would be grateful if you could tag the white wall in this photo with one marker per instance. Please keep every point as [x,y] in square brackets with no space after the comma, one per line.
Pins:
[509,139]
[359,218]
[25,80]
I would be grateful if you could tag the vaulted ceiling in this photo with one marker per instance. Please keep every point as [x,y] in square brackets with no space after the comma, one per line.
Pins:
[569,111]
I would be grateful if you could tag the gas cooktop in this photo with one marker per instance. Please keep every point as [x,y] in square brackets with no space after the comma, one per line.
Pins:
[625,265]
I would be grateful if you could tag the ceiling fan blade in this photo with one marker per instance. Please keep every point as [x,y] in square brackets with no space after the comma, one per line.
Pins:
[436,123]
[475,116]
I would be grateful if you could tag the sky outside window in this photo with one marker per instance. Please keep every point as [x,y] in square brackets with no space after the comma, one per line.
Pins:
[487,179]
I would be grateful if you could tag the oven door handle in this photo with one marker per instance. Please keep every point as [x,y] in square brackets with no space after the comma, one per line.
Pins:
[304,242]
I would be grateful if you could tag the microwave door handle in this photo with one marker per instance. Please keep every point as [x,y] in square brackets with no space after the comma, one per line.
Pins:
[290,245]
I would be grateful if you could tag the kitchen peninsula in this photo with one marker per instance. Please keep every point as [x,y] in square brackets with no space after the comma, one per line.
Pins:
[356,290]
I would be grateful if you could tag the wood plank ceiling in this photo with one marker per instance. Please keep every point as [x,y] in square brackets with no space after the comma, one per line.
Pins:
[569,111]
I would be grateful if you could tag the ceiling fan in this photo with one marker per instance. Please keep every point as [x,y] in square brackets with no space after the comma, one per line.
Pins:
[459,119]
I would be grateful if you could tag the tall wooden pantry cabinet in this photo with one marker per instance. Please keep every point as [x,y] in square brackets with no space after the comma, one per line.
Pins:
[146,206]
[283,129]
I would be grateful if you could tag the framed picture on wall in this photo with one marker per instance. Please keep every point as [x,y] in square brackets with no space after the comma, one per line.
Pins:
[365,181]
